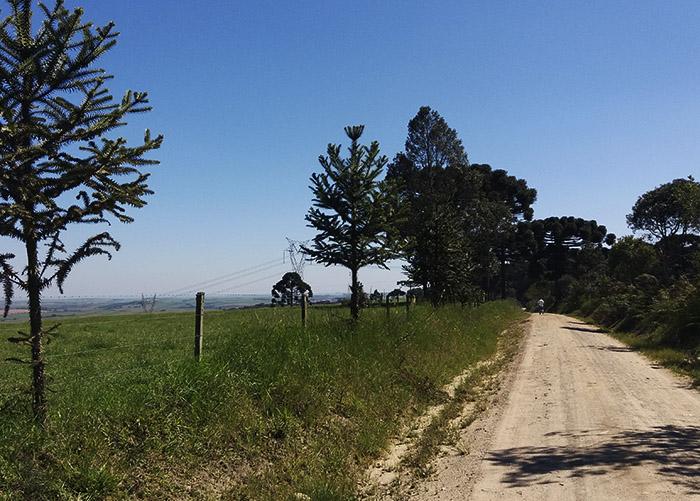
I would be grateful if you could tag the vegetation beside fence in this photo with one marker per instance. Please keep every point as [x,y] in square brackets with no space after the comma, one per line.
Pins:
[271,410]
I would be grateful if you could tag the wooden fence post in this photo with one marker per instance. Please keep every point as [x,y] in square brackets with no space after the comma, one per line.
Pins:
[408,304]
[198,326]
[387,304]
[304,304]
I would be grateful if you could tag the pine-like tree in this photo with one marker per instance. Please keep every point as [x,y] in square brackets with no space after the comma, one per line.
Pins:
[350,211]
[431,143]
[463,218]
[55,145]
[426,180]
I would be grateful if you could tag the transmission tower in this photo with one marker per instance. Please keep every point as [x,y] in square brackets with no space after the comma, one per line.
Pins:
[297,256]
[148,303]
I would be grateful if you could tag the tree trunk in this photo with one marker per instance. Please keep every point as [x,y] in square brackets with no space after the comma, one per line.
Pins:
[354,296]
[35,331]
[503,278]
[662,251]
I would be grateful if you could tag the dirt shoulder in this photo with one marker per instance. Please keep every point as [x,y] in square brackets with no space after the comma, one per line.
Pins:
[452,434]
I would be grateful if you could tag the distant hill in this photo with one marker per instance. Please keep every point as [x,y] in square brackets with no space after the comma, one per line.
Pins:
[65,306]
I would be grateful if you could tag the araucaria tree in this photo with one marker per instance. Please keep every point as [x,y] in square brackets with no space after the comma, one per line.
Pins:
[350,211]
[59,164]
[464,218]
[290,289]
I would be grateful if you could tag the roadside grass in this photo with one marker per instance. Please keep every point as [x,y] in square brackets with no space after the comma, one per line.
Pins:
[272,410]
[664,326]
[440,431]
[683,359]
[470,400]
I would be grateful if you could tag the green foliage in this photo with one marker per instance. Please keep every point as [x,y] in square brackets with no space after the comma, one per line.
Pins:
[631,257]
[668,328]
[501,190]
[669,215]
[642,286]
[460,233]
[432,236]
[432,144]
[670,209]
[350,210]
[290,289]
[491,205]
[498,208]
[560,255]
[646,290]
[567,231]
[440,257]
[272,409]
[676,313]
[56,115]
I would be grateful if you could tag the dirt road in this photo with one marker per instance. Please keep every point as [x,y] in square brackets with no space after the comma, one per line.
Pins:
[585,418]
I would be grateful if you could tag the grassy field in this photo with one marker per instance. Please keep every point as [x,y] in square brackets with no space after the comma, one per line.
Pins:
[271,411]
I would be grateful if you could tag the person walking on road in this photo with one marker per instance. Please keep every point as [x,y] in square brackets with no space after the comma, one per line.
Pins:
[540,306]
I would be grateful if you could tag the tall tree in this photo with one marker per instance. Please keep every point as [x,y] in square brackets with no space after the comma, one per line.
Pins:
[631,257]
[431,143]
[669,215]
[560,240]
[289,289]
[426,178]
[463,217]
[350,211]
[668,210]
[56,117]
[495,203]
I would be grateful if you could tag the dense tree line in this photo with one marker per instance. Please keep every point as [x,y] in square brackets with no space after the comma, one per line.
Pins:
[467,233]
[454,224]
[649,282]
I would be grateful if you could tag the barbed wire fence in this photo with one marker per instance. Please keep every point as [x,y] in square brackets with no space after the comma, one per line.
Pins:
[12,385]
[179,341]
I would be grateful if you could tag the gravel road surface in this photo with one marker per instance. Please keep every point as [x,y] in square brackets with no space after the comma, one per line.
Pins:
[584,418]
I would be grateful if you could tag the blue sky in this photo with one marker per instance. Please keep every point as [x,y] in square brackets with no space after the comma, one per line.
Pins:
[592,102]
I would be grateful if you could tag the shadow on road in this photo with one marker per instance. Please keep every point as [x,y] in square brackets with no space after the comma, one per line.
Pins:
[583,329]
[672,450]
[616,349]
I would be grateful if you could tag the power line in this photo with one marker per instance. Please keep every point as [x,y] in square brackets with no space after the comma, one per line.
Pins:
[238,277]
[222,278]
[237,286]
